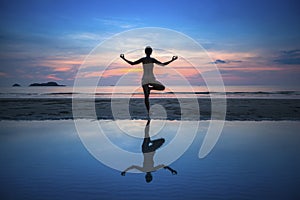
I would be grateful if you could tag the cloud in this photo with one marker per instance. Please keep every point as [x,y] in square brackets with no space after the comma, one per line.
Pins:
[53,77]
[3,74]
[84,36]
[119,22]
[219,61]
[264,77]
[291,57]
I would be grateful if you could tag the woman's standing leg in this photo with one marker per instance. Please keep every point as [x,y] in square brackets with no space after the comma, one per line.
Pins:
[147,88]
[146,95]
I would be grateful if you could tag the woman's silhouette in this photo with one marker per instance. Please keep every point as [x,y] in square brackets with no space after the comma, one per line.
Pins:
[149,81]
[149,148]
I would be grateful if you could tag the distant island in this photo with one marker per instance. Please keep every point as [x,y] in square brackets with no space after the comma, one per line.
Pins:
[45,84]
[16,85]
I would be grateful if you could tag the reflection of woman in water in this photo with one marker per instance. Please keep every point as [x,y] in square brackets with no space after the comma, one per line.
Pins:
[148,148]
[149,81]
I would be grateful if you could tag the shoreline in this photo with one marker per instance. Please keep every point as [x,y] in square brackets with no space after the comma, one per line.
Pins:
[61,109]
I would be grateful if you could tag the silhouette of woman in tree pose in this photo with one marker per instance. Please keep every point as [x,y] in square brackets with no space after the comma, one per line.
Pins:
[149,81]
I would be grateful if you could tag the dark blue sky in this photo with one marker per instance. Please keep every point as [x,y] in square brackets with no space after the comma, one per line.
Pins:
[35,34]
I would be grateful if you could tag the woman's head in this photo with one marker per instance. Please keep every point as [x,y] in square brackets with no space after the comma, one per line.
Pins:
[148,50]
[148,177]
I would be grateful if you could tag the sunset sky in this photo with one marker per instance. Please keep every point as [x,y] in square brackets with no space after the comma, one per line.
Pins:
[253,42]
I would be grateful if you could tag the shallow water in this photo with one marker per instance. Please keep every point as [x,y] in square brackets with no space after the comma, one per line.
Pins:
[252,160]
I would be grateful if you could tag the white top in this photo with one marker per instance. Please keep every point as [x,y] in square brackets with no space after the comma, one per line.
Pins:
[148,76]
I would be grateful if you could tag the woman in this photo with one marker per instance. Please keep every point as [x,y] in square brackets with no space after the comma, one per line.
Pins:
[149,81]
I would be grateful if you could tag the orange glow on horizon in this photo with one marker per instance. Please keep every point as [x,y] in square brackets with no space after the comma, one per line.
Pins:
[233,62]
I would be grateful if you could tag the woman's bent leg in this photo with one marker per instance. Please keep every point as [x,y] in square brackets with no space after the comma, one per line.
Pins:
[157,86]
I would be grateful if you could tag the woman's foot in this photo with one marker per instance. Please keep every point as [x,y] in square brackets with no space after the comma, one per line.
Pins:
[149,89]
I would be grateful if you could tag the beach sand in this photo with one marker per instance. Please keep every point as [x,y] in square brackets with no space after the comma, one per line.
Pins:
[61,108]
[251,160]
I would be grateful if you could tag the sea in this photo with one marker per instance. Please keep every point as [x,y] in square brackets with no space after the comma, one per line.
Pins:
[257,92]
